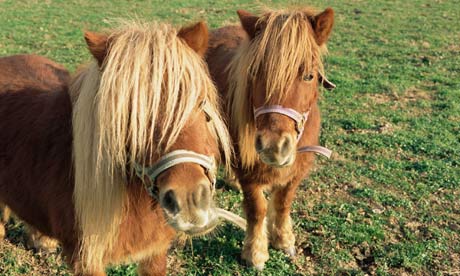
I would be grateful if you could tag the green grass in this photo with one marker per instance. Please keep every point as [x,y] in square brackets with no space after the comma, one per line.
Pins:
[388,203]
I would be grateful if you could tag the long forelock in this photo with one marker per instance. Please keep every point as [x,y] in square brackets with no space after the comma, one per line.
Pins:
[156,74]
[283,50]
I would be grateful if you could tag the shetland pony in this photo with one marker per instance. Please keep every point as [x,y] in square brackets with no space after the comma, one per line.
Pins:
[268,74]
[90,164]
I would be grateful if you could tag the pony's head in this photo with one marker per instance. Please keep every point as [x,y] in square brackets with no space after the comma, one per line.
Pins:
[274,81]
[146,114]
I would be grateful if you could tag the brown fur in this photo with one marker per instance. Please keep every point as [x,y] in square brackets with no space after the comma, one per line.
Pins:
[37,170]
[97,45]
[189,34]
[227,46]
[22,72]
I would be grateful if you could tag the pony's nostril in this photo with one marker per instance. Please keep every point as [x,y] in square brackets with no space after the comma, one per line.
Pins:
[259,145]
[202,197]
[170,203]
[285,146]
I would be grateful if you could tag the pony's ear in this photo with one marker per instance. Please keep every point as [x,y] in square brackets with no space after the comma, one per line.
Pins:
[97,45]
[322,25]
[248,22]
[196,37]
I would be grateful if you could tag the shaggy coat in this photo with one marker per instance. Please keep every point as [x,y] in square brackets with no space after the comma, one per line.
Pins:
[274,59]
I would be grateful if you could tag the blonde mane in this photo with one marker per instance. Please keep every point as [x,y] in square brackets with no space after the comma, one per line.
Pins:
[137,104]
[285,45]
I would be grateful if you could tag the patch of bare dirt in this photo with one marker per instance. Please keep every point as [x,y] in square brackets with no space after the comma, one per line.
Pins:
[305,260]
[411,94]
[454,48]
[381,98]
[175,265]
[365,258]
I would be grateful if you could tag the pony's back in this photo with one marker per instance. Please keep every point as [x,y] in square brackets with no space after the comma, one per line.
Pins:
[31,72]
[35,137]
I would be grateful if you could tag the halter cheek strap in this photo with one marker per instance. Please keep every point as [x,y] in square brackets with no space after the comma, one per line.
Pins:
[174,158]
[299,118]
[329,85]
[317,149]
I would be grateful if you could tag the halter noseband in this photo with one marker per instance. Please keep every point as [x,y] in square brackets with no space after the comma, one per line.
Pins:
[174,158]
[299,118]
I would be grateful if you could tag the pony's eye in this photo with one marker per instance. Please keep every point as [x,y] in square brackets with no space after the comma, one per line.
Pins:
[308,77]
[208,117]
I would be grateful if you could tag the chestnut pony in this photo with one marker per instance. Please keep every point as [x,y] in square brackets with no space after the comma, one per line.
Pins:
[268,73]
[117,161]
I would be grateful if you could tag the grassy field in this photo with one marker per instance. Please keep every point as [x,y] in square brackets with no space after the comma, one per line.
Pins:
[388,203]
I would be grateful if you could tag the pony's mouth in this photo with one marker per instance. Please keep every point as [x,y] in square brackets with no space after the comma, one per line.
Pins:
[272,162]
[201,231]
[219,216]
[205,223]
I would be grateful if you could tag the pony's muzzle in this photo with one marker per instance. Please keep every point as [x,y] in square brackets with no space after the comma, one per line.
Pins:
[276,150]
[189,212]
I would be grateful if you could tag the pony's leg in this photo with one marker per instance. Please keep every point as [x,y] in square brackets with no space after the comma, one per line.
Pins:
[255,248]
[40,242]
[155,265]
[6,213]
[279,219]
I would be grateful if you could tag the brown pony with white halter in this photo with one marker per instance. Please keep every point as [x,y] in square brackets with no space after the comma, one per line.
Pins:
[113,164]
[268,73]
